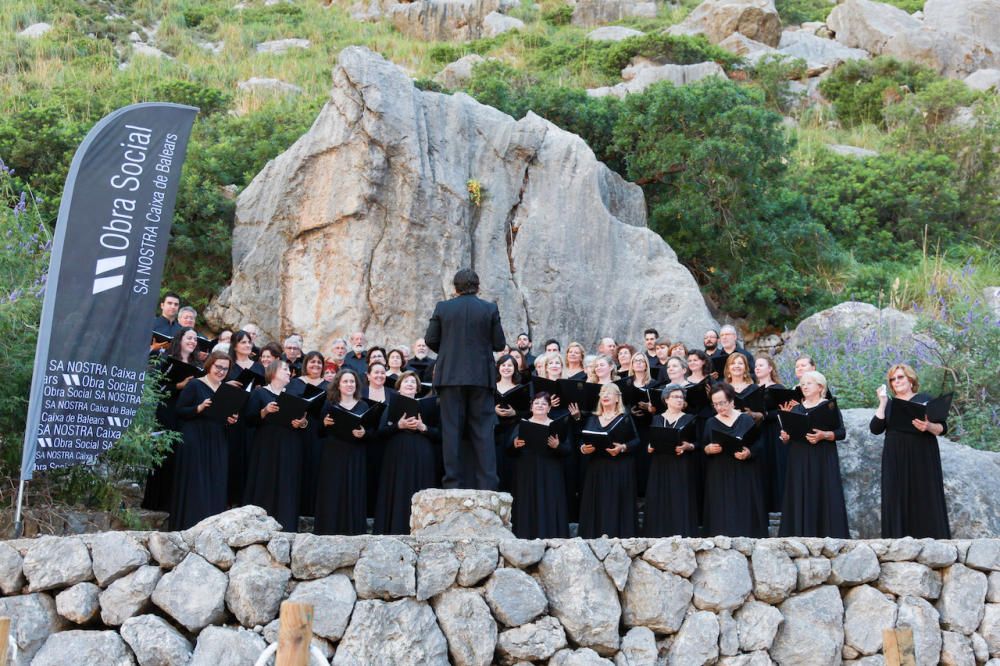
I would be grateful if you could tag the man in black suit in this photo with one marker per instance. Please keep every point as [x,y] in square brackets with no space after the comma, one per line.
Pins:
[465,331]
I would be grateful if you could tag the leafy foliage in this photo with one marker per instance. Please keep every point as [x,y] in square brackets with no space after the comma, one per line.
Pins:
[861,89]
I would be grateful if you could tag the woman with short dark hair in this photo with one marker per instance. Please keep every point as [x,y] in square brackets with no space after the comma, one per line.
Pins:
[539,510]
[671,497]
[312,365]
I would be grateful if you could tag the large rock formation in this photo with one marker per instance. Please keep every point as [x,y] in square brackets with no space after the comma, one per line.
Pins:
[718,19]
[364,220]
[860,321]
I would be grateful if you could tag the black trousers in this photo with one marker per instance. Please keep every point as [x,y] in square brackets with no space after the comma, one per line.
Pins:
[467,414]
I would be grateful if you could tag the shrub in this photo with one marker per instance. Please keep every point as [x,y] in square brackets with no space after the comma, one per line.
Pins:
[861,89]
[561,14]
[771,74]
[208,99]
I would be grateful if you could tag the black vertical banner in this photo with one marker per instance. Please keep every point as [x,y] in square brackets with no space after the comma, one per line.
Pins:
[103,286]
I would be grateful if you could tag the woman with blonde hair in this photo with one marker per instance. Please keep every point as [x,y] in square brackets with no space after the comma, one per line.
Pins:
[913,502]
[603,371]
[607,501]
[574,366]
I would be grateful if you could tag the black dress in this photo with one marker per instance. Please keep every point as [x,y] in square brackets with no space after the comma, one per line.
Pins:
[342,488]
[671,495]
[239,436]
[607,499]
[503,438]
[641,458]
[374,455]
[814,495]
[409,466]
[201,465]
[774,458]
[913,501]
[274,476]
[159,483]
[539,490]
[312,450]
[734,499]
[573,464]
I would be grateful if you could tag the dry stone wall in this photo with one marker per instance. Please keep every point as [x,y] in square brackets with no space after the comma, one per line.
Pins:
[211,595]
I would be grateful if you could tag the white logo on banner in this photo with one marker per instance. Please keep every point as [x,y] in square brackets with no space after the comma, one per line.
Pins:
[112,281]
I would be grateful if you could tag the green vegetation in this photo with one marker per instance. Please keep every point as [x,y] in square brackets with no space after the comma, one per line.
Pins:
[800,11]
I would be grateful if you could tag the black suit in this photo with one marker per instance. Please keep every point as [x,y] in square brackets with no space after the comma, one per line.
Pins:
[465,331]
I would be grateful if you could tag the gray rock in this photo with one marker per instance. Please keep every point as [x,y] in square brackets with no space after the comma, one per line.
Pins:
[729,636]
[115,554]
[856,566]
[956,650]
[697,641]
[984,79]
[402,632]
[984,554]
[937,554]
[812,571]
[79,603]
[280,47]
[333,600]
[589,13]
[35,30]
[148,51]
[477,560]
[581,596]
[774,573]
[757,624]
[759,658]
[655,599]
[514,597]
[980,649]
[11,574]
[318,556]
[280,548]
[580,657]
[239,527]
[951,54]
[722,580]
[84,647]
[638,648]
[613,33]
[32,618]
[54,562]
[256,587]
[920,616]
[260,85]
[537,173]
[155,642]
[909,578]
[211,544]
[975,18]
[458,73]
[640,77]
[868,25]
[522,553]
[496,23]
[989,629]
[533,641]
[993,588]
[867,612]
[902,550]
[437,568]
[441,20]
[129,596]
[386,570]
[193,593]
[820,54]
[851,151]
[461,513]
[717,19]
[813,630]
[752,50]
[672,555]
[167,548]
[223,646]
[469,628]
[963,592]
[617,564]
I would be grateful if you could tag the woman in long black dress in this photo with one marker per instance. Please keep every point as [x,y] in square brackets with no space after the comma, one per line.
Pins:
[671,497]
[240,435]
[607,501]
[410,463]
[774,458]
[913,501]
[201,465]
[507,418]
[814,495]
[160,481]
[642,415]
[312,436]
[539,490]
[342,489]
[374,391]
[734,499]
[274,475]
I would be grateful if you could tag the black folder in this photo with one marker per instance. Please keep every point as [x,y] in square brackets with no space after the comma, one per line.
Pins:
[719,365]
[753,400]
[774,397]
[584,394]
[312,393]
[536,435]
[550,386]
[228,400]
[248,378]
[177,371]
[160,338]
[730,443]
[902,412]
[517,398]
[292,408]
[798,425]
[205,345]
[697,397]
[346,422]
[621,430]
[400,405]
[665,439]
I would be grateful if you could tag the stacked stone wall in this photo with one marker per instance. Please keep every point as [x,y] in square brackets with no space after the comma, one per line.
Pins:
[211,595]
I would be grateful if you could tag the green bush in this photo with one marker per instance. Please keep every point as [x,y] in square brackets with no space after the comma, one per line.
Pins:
[772,74]
[800,11]
[209,100]
[860,90]
[558,15]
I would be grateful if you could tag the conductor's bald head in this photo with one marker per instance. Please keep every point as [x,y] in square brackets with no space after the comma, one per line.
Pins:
[466,281]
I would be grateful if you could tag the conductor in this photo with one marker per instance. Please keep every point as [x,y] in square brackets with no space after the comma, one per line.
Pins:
[464,331]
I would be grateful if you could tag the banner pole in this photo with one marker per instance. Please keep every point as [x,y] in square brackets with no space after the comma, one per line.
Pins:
[18,524]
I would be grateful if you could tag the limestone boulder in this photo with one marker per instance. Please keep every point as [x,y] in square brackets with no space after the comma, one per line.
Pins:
[403,631]
[115,554]
[514,597]
[756,625]
[976,18]
[613,33]
[752,50]
[193,593]
[951,54]
[54,562]
[984,79]
[718,19]
[318,556]
[956,649]
[79,604]
[468,626]
[282,46]
[590,13]
[167,548]
[856,566]
[937,554]
[722,580]
[84,647]
[638,648]
[386,570]
[457,74]
[477,560]
[437,567]
[990,628]
[35,30]
[460,513]
[11,570]
[642,76]
[225,646]
[963,593]
[256,586]
[812,571]
[32,618]
[534,641]
[521,553]
[697,642]
[547,199]
[581,596]
[129,596]
[813,630]
[155,642]
[774,573]
[496,23]
[672,555]
[443,20]
[332,599]
[867,613]
[909,578]
[868,25]
[861,321]
[923,619]
[820,54]
[655,599]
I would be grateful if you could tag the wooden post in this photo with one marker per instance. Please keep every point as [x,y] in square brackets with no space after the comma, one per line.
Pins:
[4,639]
[294,634]
[898,647]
